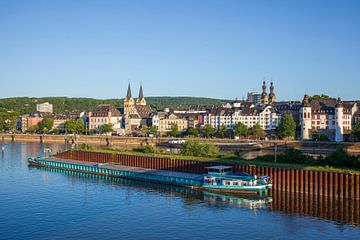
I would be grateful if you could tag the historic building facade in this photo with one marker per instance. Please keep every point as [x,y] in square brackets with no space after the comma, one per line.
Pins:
[330,117]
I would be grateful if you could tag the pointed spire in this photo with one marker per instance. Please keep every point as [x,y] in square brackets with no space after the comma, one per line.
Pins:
[141,94]
[128,94]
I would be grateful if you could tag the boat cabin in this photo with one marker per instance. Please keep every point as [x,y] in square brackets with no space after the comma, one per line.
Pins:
[223,170]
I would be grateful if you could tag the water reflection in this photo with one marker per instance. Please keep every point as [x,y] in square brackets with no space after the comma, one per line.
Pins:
[190,196]
[340,211]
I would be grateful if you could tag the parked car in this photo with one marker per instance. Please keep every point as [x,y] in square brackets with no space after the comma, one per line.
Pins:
[177,141]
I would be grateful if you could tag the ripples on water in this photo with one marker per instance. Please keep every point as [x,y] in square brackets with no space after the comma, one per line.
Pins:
[38,203]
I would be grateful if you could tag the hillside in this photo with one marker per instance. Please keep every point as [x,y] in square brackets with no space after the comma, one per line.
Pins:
[64,104]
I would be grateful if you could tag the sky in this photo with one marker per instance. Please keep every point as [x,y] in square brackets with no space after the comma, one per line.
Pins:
[220,49]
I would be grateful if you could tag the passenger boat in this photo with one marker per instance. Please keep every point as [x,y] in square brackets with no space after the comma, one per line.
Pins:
[222,179]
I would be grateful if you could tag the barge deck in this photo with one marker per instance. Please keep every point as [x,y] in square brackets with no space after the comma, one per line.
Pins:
[114,170]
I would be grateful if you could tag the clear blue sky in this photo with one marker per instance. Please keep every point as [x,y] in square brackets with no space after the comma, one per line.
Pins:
[218,49]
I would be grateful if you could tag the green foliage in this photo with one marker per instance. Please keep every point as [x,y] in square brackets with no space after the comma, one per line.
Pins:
[192,132]
[46,124]
[287,127]
[63,104]
[257,131]
[319,97]
[152,130]
[240,129]
[75,126]
[8,120]
[145,149]
[33,129]
[106,128]
[356,129]
[174,132]
[222,131]
[320,137]
[198,149]
[208,131]
[339,158]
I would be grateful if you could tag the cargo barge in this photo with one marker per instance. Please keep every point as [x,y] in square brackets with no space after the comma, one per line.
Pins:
[219,178]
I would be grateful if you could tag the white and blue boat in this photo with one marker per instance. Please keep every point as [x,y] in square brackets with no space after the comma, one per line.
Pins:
[222,179]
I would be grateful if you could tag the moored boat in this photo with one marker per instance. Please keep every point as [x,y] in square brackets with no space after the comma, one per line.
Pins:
[222,179]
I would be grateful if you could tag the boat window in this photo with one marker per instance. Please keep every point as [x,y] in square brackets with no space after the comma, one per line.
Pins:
[235,183]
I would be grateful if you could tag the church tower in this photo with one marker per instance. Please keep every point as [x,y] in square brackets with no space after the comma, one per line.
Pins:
[305,116]
[264,96]
[129,103]
[140,101]
[272,97]
[339,128]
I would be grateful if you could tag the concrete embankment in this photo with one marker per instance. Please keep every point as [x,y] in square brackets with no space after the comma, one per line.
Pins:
[224,144]
[328,184]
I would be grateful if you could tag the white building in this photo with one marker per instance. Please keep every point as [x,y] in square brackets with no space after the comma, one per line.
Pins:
[105,114]
[44,107]
[249,114]
[329,117]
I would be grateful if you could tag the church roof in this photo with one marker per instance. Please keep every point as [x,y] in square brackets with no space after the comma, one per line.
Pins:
[141,93]
[128,94]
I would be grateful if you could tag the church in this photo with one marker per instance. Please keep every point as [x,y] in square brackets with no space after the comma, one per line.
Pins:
[136,111]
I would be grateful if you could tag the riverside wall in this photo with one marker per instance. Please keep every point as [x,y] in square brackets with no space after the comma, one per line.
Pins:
[328,184]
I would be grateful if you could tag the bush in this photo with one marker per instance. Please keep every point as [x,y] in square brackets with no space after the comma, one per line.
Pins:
[198,149]
[145,149]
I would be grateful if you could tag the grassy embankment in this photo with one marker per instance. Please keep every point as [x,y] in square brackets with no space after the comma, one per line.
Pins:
[231,158]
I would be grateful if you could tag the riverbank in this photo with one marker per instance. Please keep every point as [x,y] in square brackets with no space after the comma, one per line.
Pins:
[226,145]
[343,185]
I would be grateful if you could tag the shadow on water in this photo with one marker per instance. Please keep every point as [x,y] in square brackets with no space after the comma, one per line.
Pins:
[339,211]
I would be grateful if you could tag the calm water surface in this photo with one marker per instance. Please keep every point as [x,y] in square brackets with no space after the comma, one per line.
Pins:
[52,204]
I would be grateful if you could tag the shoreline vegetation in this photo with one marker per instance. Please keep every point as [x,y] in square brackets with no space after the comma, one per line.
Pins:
[339,161]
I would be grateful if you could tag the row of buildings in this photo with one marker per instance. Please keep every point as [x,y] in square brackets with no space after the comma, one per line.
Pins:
[330,117]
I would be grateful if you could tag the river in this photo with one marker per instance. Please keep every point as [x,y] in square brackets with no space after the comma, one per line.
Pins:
[40,203]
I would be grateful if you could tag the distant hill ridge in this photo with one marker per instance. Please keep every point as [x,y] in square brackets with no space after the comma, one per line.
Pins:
[66,104]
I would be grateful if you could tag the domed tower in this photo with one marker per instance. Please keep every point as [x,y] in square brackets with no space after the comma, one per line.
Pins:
[272,97]
[339,128]
[141,100]
[264,96]
[305,116]
[129,103]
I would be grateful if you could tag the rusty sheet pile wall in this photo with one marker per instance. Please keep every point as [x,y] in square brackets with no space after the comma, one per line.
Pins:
[331,184]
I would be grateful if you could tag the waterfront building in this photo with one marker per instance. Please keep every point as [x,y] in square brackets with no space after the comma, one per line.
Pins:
[249,114]
[59,122]
[44,108]
[330,117]
[33,120]
[21,123]
[105,114]
[164,121]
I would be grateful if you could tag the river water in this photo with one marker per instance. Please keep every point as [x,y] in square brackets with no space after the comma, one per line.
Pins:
[40,203]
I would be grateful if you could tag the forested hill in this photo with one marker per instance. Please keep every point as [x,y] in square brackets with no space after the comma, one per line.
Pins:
[64,104]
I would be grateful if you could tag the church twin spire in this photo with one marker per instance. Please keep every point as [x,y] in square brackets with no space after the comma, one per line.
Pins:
[140,100]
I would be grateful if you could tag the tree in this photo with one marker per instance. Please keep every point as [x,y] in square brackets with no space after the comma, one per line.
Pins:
[70,126]
[222,131]
[174,132]
[106,128]
[80,125]
[208,130]
[287,127]
[193,132]
[240,129]
[356,129]
[153,130]
[257,131]
[199,149]
[46,124]
[8,120]
[319,97]
[75,126]
[33,129]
